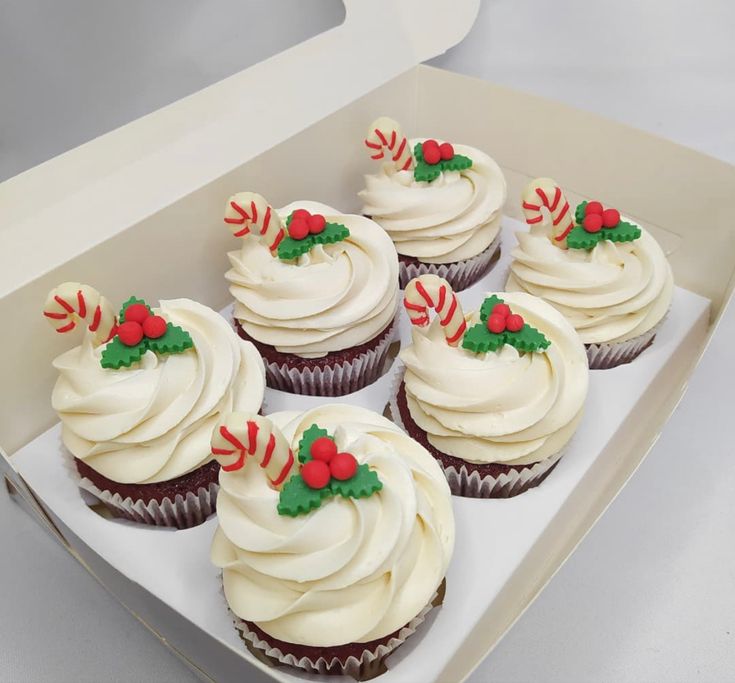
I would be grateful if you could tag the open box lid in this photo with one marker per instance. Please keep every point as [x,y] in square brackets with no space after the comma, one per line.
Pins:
[123,176]
[69,205]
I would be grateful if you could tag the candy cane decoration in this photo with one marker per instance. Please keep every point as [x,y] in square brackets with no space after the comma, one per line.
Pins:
[385,136]
[71,303]
[239,435]
[431,291]
[249,212]
[545,192]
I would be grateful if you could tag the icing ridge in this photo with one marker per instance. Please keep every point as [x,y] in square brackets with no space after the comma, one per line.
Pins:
[449,219]
[503,406]
[354,569]
[152,421]
[334,297]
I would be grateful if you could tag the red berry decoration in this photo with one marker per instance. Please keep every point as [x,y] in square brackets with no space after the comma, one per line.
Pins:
[136,313]
[501,309]
[610,218]
[593,207]
[514,323]
[315,474]
[343,466]
[447,151]
[496,323]
[323,449]
[298,228]
[430,152]
[592,222]
[317,223]
[130,333]
[301,213]
[154,326]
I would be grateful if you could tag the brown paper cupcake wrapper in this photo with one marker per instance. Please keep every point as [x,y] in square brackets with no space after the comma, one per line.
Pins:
[342,378]
[460,275]
[470,483]
[183,512]
[606,356]
[368,665]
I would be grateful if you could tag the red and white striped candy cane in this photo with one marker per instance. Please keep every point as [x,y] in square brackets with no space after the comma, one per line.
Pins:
[71,303]
[239,435]
[248,212]
[385,139]
[545,192]
[431,291]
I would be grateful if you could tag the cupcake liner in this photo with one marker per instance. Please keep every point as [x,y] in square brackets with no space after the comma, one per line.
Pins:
[369,664]
[182,513]
[344,377]
[469,483]
[460,274]
[472,485]
[606,356]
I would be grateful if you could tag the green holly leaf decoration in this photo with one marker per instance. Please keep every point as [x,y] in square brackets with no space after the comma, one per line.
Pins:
[289,248]
[528,339]
[622,232]
[579,212]
[363,484]
[427,173]
[174,340]
[116,355]
[309,437]
[132,300]
[579,238]
[487,307]
[296,498]
[479,339]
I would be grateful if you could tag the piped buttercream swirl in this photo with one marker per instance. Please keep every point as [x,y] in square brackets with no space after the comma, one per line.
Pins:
[504,406]
[611,293]
[353,570]
[334,297]
[153,421]
[455,217]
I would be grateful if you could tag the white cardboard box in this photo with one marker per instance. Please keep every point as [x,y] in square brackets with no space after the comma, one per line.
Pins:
[161,182]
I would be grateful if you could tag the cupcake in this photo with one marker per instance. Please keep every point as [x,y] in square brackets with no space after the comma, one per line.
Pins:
[606,274]
[138,400]
[494,396]
[316,291]
[335,548]
[441,204]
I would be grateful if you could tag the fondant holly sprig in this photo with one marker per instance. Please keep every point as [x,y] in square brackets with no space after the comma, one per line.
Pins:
[141,330]
[432,158]
[498,326]
[306,230]
[248,213]
[596,223]
[325,472]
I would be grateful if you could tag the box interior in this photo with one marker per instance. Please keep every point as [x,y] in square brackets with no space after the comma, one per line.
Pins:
[179,250]
[664,186]
[535,530]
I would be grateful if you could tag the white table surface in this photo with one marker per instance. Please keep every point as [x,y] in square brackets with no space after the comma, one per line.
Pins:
[650,593]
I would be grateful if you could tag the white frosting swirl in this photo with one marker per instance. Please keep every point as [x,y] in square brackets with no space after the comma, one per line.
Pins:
[453,218]
[353,570]
[153,421]
[504,406]
[611,293]
[334,297]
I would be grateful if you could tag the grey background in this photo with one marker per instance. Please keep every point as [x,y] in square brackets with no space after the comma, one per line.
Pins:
[650,594]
